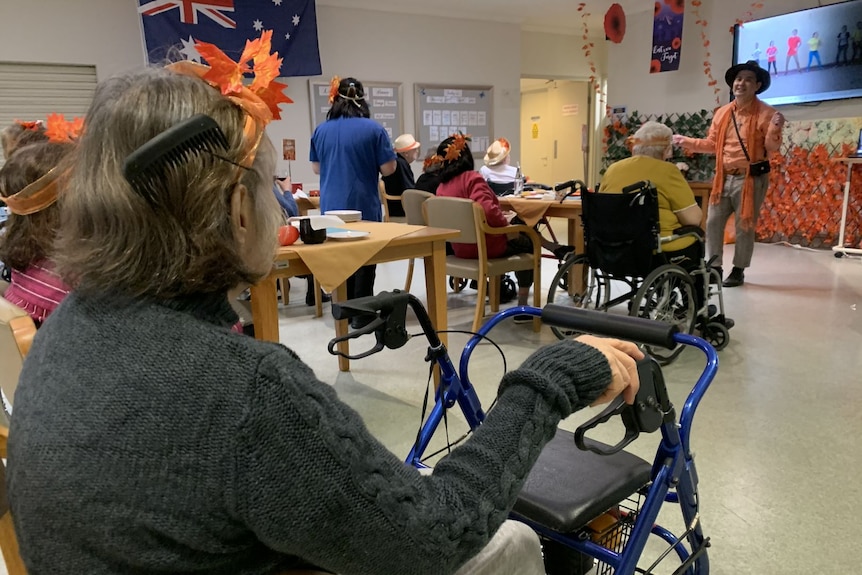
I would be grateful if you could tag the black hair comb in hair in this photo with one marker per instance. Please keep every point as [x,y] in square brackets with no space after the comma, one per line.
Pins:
[147,165]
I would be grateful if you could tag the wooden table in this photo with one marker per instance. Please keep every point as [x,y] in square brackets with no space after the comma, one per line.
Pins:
[701,194]
[427,243]
[569,210]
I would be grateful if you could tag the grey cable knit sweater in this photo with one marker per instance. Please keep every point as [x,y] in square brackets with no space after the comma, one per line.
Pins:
[149,438]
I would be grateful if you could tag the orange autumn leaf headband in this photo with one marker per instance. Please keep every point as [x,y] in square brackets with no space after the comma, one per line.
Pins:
[453,150]
[44,192]
[260,100]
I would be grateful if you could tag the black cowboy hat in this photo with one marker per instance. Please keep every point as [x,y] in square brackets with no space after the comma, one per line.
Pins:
[761,74]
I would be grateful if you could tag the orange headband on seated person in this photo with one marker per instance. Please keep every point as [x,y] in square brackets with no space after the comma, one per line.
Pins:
[42,193]
[633,141]
[259,100]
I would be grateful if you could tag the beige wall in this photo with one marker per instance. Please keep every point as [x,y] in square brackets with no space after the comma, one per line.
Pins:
[559,56]
[104,33]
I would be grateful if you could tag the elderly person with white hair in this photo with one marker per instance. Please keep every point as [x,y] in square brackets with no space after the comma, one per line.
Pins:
[407,151]
[651,146]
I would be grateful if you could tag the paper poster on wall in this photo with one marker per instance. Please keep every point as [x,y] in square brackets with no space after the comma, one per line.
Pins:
[383,98]
[445,110]
[288,149]
[570,109]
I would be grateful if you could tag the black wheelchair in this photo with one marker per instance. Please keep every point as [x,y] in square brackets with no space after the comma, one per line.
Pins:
[623,263]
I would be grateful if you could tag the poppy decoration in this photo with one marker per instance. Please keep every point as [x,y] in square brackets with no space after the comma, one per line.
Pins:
[676,6]
[615,23]
[654,67]
[676,43]
[657,10]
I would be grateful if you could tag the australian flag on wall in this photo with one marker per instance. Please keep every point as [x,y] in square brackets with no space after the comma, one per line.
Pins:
[173,26]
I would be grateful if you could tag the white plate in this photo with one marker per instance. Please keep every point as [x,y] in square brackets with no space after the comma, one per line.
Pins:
[345,215]
[347,235]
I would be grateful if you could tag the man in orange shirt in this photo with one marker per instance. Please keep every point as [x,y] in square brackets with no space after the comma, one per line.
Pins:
[741,136]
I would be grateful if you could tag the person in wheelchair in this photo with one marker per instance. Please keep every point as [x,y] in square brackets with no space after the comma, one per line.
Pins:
[141,415]
[458,179]
[651,146]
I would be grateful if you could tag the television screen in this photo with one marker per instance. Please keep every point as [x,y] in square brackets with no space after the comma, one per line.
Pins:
[812,55]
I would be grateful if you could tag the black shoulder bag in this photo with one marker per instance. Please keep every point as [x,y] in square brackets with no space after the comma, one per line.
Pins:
[754,168]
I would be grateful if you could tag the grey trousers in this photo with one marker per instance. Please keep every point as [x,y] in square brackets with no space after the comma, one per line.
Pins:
[731,203]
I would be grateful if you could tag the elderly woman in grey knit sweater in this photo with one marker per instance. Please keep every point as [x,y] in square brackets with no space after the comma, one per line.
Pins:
[150,438]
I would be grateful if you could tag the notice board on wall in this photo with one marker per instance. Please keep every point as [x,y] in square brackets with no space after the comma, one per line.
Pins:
[444,110]
[384,103]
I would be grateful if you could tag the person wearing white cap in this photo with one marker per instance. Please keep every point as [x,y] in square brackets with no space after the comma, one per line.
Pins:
[497,168]
[407,150]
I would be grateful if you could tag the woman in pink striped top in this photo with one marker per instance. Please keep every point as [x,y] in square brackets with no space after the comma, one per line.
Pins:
[29,186]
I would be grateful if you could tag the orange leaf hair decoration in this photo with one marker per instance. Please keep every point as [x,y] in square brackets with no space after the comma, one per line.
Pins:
[28,125]
[505,143]
[58,129]
[453,150]
[333,88]
[226,75]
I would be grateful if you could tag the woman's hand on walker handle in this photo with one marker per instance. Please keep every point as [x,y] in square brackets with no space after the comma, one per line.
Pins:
[622,357]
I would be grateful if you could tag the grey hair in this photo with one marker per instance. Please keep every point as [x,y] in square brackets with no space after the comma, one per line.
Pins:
[652,139]
[112,239]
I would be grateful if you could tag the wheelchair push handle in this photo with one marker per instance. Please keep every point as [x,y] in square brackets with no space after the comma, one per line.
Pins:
[638,329]
[637,186]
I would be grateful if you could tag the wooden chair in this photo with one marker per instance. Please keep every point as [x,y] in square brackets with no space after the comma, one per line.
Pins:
[469,217]
[384,199]
[16,334]
[8,540]
[413,200]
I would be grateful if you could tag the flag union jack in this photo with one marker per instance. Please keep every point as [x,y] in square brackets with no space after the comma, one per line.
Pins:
[189,9]
[171,28]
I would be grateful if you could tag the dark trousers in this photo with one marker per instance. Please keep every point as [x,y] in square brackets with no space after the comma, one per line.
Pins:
[361,283]
[688,258]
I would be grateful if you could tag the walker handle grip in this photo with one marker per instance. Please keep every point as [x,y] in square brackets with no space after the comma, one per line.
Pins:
[637,329]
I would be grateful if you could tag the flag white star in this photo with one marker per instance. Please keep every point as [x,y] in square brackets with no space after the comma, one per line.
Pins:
[287,36]
[296,19]
[189,50]
[276,2]
[258,25]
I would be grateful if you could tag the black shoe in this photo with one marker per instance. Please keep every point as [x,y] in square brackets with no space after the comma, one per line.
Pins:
[735,279]
[474,284]
[523,318]
[562,252]
[309,297]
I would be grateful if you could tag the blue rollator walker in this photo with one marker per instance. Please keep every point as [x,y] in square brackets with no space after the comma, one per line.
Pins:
[584,498]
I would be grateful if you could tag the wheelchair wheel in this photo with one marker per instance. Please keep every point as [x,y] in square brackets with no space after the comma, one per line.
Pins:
[594,295]
[717,335]
[667,295]
[457,284]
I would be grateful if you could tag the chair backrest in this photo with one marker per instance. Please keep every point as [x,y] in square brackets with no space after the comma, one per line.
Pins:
[412,200]
[457,213]
[16,334]
[501,189]
[381,190]
[621,229]
[8,540]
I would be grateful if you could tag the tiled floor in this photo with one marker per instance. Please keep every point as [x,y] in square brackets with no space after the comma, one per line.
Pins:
[776,438]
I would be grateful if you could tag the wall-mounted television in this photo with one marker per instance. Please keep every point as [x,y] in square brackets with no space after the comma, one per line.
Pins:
[812,55]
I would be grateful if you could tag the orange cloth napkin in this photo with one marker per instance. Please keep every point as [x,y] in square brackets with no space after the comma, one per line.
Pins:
[531,211]
[333,261]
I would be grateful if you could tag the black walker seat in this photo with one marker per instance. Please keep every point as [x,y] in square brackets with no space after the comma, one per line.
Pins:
[593,484]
